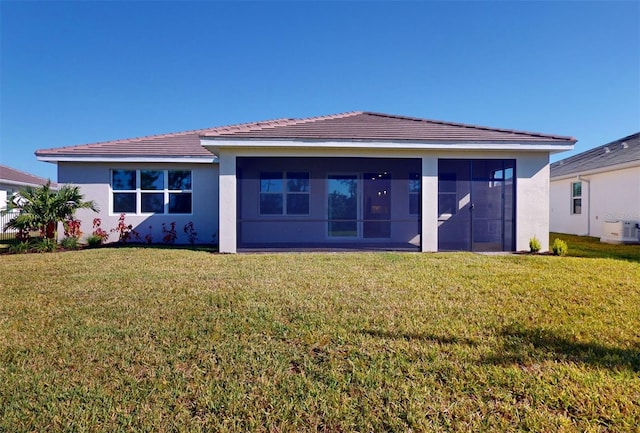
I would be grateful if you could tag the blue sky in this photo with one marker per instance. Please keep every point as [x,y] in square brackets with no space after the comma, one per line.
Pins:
[82,72]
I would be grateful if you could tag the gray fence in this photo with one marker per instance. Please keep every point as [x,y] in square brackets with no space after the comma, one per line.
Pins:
[9,234]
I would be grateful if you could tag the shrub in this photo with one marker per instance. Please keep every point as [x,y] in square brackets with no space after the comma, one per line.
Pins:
[534,245]
[125,232]
[98,231]
[95,240]
[559,247]
[41,208]
[70,243]
[20,247]
[45,245]
[23,235]
[72,228]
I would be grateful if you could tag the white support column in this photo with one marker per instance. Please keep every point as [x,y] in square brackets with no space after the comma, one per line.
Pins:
[429,229]
[227,231]
[532,200]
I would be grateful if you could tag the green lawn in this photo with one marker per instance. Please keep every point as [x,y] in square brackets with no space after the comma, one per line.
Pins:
[586,246]
[143,339]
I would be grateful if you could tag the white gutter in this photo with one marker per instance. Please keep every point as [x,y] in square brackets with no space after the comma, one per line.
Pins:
[217,143]
[15,183]
[66,158]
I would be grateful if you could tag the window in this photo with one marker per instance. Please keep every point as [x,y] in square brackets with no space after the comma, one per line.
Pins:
[151,191]
[414,193]
[284,193]
[576,198]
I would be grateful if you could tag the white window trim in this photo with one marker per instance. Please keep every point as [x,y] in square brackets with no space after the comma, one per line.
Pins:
[574,198]
[139,191]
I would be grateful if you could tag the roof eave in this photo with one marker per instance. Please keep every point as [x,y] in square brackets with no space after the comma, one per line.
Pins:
[603,169]
[214,144]
[128,158]
[54,185]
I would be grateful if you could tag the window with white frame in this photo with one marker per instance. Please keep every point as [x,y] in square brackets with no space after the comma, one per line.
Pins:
[151,191]
[576,198]
[284,193]
[414,193]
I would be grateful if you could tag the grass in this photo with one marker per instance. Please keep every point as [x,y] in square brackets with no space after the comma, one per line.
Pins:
[142,339]
[587,246]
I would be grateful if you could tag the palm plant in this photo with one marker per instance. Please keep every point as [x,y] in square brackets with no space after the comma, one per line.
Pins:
[41,208]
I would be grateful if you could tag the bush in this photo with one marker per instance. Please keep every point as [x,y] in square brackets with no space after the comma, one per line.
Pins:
[95,240]
[534,245]
[559,247]
[20,247]
[70,243]
[45,245]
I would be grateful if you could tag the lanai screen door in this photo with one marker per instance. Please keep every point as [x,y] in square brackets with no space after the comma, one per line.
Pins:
[476,204]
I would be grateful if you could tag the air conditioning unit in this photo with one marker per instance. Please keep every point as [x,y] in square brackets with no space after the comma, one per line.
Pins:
[621,232]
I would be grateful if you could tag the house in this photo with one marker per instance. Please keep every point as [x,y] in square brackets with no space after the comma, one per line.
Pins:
[357,179]
[12,180]
[595,187]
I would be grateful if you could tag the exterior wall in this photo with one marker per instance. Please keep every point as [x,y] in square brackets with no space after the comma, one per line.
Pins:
[429,229]
[610,195]
[6,192]
[560,216]
[227,205]
[532,200]
[94,182]
[3,199]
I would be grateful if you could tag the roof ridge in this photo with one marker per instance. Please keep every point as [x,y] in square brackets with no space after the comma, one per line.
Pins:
[265,124]
[468,125]
[595,150]
[329,116]
[26,173]
[162,135]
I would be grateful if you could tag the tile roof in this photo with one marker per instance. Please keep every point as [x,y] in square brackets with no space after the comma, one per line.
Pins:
[13,176]
[624,150]
[180,144]
[357,125]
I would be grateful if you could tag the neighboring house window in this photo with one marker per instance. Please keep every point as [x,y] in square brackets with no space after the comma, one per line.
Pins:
[576,198]
[284,193]
[151,191]
[414,193]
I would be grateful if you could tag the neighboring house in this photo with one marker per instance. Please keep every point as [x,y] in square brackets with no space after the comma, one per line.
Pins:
[12,180]
[596,186]
[357,179]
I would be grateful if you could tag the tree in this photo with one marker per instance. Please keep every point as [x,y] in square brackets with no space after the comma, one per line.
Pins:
[42,208]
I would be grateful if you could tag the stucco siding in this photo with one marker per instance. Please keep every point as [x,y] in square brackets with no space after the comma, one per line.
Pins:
[94,182]
[562,220]
[532,200]
[610,195]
